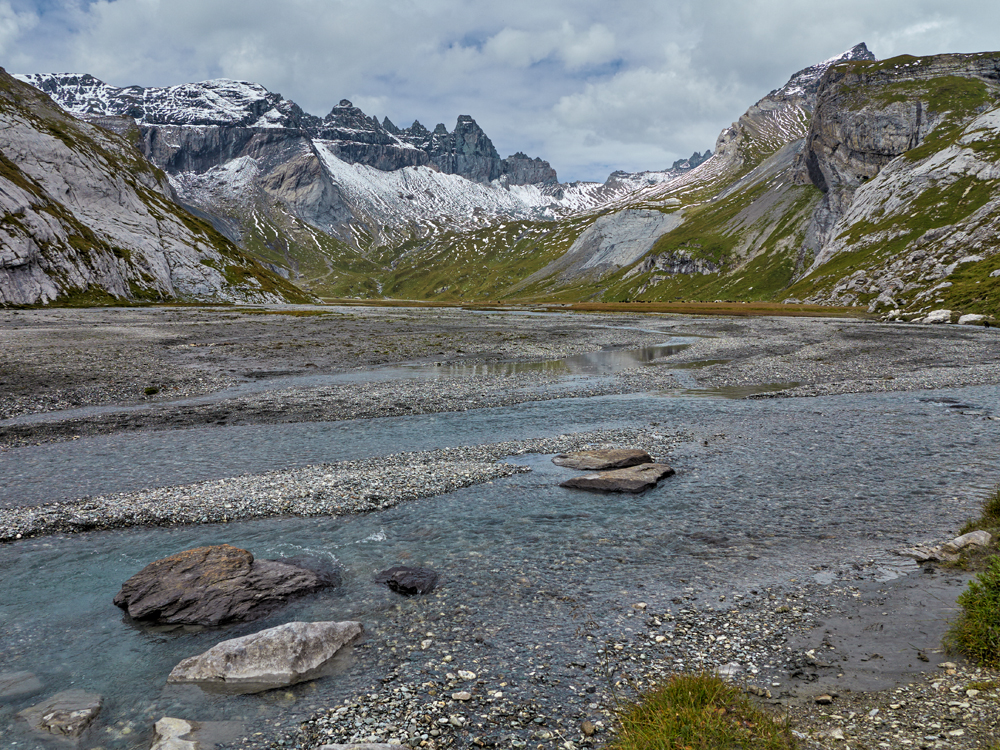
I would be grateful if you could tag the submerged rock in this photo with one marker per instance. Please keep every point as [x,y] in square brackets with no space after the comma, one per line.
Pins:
[15,684]
[599,460]
[632,479]
[214,586]
[181,734]
[408,581]
[66,714]
[174,734]
[290,653]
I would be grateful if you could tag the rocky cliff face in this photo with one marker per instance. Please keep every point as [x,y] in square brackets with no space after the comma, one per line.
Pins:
[872,183]
[869,114]
[905,152]
[84,216]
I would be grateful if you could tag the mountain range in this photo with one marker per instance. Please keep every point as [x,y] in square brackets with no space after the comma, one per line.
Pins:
[859,182]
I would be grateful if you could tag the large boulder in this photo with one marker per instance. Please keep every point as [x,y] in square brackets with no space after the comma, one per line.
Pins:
[65,714]
[632,479]
[290,653]
[408,581]
[214,586]
[600,460]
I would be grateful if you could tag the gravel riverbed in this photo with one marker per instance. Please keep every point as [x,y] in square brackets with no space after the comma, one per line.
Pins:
[341,488]
[438,677]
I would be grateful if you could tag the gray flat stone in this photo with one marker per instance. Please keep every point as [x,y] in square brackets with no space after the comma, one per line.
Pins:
[290,653]
[632,479]
[600,460]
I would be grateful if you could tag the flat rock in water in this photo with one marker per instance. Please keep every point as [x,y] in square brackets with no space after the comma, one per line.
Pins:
[599,460]
[181,734]
[65,714]
[214,586]
[362,746]
[290,653]
[408,581]
[16,684]
[633,479]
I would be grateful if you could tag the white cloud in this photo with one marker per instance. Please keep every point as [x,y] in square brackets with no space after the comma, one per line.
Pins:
[13,25]
[583,83]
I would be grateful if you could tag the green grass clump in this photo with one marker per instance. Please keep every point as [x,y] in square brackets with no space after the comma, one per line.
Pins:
[976,632]
[699,712]
[990,518]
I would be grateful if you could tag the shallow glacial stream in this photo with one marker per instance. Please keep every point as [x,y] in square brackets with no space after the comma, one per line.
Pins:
[765,492]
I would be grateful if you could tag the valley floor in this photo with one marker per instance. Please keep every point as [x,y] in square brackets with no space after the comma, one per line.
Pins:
[179,367]
[868,624]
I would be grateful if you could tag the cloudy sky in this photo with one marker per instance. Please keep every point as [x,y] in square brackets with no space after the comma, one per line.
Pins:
[590,85]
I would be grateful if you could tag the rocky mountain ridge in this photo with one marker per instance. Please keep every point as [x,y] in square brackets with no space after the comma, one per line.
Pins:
[86,218]
[356,138]
[858,182]
[882,193]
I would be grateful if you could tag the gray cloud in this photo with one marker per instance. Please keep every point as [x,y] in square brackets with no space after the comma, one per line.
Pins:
[591,86]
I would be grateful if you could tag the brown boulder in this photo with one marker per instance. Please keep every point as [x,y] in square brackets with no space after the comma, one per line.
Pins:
[632,479]
[214,586]
[600,460]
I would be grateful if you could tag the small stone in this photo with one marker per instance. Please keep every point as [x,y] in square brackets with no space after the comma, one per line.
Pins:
[456,721]
[947,665]
[462,695]
[588,728]
[639,605]
[466,675]
[408,581]
[824,700]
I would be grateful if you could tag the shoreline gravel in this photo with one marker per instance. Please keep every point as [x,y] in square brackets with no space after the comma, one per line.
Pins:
[346,487]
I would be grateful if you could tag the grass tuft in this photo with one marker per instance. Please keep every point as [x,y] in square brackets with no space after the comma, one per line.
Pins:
[699,712]
[976,632]
[990,518]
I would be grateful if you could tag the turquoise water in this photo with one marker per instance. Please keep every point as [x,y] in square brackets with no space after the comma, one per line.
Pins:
[782,485]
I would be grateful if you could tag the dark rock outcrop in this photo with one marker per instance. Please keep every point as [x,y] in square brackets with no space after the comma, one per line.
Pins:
[633,479]
[408,581]
[521,169]
[600,460]
[695,160]
[214,586]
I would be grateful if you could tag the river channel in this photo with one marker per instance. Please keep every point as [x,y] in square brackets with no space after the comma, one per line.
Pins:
[766,491]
